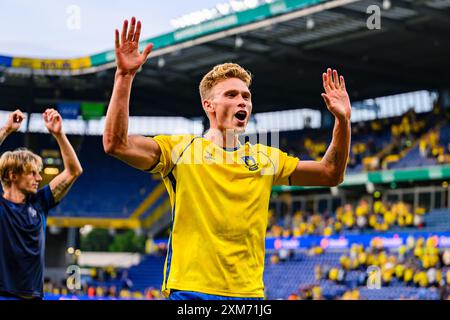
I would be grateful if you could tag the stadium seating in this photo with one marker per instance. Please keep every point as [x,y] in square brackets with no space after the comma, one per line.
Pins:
[149,273]
[378,138]
[123,186]
[292,276]
[414,158]
[111,175]
[284,278]
[397,217]
[298,273]
[104,178]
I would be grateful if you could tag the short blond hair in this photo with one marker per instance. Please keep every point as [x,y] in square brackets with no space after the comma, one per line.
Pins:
[222,72]
[18,161]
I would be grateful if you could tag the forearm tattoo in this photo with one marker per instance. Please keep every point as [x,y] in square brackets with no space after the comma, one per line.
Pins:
[61,189]
[3,135]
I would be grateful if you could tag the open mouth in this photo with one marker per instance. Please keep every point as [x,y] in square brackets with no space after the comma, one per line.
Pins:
[241,115]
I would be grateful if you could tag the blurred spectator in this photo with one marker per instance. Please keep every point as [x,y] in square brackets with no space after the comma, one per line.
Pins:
[446,257]
[274,259]
[286,254]
[91,292]
[112,292]
[293,296]
[126,282]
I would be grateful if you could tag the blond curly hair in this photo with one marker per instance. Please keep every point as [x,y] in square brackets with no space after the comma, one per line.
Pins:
[18,161]
[222,72]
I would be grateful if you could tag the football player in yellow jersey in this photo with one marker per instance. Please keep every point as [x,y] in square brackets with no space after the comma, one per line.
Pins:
[219,189]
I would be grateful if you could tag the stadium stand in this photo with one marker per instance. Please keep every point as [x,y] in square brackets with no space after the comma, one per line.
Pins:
[363,218]
[390,143]
[84,200]
[419,271]
[86,197]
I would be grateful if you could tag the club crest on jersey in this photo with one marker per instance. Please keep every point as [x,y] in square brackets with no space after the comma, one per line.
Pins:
[32,212]
[250,163]
[209,156]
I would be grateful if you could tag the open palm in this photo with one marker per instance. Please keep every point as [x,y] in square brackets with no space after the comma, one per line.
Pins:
[336,97]
[128,58]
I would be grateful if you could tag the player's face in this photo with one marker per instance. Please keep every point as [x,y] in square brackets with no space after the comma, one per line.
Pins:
[28,182]
[232,105]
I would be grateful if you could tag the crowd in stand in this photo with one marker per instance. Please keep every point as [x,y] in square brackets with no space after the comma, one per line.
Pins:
[103,283]
[378,216]
[419,263]
[405,132]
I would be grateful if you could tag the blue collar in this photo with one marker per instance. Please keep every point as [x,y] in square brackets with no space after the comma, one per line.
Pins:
[227,149]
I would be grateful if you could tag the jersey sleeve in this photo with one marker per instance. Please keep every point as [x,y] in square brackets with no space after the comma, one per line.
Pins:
[284,166]
[45,198]
[171,148]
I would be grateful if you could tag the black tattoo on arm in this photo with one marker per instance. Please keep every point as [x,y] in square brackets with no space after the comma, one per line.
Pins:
[61,189]
[3,135]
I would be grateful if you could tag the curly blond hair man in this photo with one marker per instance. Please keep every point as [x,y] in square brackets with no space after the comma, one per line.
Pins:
[24,208]
[219,188]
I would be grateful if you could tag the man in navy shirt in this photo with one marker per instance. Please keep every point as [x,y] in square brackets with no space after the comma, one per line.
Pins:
[24,208]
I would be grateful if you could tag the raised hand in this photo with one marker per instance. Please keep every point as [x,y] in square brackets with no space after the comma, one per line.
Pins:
[336,96]
[14,121]
[128,58]
[53,121]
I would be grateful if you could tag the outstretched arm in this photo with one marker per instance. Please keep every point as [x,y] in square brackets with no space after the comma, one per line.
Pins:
[331,169]
[61,184]
[137,151]
[12,124]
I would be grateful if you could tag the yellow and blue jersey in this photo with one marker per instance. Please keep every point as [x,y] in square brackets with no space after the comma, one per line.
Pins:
[220,200]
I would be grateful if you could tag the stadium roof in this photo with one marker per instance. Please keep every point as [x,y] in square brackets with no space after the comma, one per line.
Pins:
[286,45]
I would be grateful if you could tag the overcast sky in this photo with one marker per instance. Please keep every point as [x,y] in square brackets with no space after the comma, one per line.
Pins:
[49,28]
